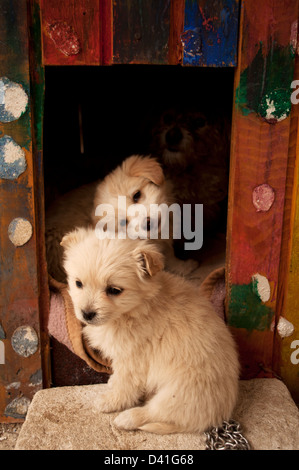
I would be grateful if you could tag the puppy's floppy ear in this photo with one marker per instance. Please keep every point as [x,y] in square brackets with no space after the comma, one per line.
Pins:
[147,167]
[149,260]
[73,237]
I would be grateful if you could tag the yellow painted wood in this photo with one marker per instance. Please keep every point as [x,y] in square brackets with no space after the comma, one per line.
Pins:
[288,360]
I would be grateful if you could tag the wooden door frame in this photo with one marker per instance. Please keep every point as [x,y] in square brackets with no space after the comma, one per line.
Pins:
[263,213]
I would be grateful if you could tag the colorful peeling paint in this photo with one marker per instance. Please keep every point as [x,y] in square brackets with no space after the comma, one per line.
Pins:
[17,408]
[13,100]
[24,341]
[19,231]
[263,197]
[285,328]
[211,33]
[12,159]
[64,38]
[247,309]
[264,86]
[2,332]
[261,287]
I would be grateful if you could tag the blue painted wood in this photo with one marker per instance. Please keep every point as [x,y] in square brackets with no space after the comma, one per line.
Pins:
[210,33]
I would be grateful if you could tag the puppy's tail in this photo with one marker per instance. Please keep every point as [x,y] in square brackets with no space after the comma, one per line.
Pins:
[161,428]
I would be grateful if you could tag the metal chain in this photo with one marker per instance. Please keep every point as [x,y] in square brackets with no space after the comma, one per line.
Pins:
[226,437]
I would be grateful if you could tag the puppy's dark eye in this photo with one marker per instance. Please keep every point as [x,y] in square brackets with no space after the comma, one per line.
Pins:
[137,196]
[113,290]
[79,284]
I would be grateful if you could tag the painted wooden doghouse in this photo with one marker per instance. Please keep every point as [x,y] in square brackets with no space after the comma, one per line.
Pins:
[258,39]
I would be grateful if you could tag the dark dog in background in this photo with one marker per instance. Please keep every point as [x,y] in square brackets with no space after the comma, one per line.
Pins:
[193,147]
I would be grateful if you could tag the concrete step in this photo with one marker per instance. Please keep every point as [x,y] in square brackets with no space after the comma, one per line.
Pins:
[67,418]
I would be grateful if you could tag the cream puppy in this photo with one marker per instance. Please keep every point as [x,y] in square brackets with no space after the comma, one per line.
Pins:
[175,365]
[139,182]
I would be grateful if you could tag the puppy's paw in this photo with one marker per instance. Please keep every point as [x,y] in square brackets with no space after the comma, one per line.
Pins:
[130,419]
[189,266]
[183,268]
[109,402]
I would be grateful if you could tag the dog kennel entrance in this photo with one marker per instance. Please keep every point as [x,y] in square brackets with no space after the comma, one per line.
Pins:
[95,117]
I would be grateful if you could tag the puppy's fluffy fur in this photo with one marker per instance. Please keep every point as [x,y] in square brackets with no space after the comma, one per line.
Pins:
[174,361]
[77,208]
[141,176]
[140,179]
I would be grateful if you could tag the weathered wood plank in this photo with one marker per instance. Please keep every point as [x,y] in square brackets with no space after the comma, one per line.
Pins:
[286,346]
[210,34]
[259,158]
[71,32]
[20,375]
[141,32]
[106,29]
[37,83]
[175,54]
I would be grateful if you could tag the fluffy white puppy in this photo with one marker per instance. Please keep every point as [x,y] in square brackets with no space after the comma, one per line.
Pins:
[141,184]
[175,365]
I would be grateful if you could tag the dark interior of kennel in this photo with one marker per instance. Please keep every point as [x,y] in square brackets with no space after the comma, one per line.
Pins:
[95,117]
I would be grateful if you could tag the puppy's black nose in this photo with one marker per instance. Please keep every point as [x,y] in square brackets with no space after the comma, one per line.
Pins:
[174,136]
[88,316]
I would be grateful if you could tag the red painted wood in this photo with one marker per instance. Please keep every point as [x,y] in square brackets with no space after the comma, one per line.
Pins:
[175,53]
[71,32]
[106,26]
[259,156]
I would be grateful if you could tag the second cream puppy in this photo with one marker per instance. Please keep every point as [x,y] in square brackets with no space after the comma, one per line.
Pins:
[140,180]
